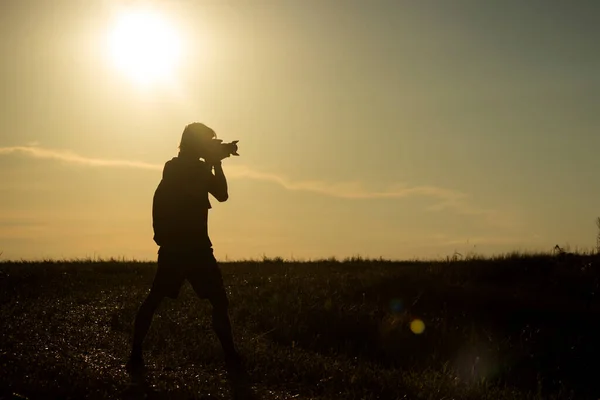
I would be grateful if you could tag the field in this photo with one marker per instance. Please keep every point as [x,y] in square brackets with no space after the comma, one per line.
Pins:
[511,327]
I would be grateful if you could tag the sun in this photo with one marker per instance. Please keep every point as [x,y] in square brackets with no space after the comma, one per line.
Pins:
[144,46]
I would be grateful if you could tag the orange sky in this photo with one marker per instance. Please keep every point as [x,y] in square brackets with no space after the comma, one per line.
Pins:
[391,129]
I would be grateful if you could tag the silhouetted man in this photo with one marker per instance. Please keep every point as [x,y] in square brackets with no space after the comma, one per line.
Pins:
[180,217]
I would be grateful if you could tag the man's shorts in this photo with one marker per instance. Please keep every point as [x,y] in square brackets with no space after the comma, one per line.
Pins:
[200,268]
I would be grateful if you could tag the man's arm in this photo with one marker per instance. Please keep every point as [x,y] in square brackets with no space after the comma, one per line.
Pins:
[218,183]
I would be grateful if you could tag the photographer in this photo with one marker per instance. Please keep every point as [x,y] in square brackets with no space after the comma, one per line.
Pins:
[180,221]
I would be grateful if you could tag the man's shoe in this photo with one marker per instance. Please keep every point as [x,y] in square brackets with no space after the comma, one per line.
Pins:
[234,363]
[238,377]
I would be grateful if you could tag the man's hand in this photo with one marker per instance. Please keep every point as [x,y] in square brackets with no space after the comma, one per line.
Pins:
[218,186]
[212,160]
[213,164]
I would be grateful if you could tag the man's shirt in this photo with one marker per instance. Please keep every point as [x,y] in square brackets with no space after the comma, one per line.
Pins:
[180,205]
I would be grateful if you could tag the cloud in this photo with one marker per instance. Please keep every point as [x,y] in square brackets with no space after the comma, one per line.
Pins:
[67,156]
[463,207]
[493,240]
[348,190]
[16,227]
[448,199]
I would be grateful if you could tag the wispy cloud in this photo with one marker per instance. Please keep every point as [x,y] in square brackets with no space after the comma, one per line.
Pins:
[447,199]
[18,227]
[349,190]
[70,157]
[493,240]
[463,207]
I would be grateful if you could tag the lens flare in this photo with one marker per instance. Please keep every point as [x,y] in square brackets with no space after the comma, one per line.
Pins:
[396,306]
[417,326]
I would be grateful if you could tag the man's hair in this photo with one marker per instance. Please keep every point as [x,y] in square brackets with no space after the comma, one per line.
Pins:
[194,135]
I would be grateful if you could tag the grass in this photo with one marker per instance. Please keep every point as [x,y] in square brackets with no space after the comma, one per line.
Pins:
[516,326]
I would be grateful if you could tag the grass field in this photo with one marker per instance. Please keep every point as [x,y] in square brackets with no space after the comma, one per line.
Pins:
[511,327]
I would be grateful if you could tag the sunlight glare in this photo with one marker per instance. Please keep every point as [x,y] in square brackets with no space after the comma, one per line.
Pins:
[144,46]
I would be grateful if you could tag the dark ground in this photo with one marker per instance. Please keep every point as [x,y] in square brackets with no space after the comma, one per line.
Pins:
[515,327]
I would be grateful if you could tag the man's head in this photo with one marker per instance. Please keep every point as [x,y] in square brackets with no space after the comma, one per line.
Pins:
[195,139]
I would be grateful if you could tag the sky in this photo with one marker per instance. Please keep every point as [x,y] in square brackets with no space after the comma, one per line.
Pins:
[394,129]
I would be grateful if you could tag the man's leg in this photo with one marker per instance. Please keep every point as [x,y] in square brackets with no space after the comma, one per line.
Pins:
[208,284]
[220,309]
[142,323]
[167,283]
[222,326]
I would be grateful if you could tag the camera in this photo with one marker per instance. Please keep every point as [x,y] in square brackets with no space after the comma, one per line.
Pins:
[218,150]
